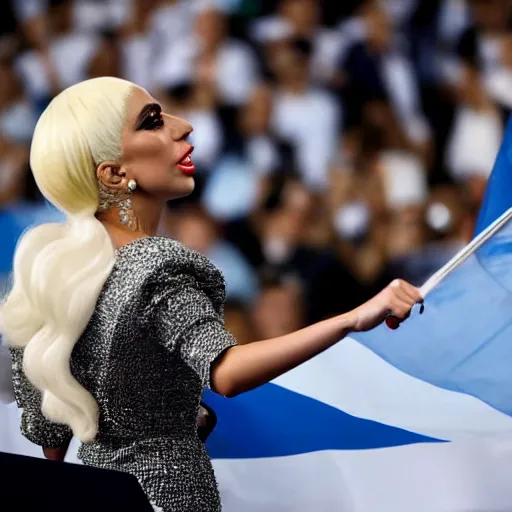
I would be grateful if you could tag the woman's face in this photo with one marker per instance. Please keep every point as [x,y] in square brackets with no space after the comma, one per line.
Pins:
[155,151]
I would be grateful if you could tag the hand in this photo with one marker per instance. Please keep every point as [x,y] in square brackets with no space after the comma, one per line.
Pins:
[397,299]
[202,417]
[57,454]
[207,420]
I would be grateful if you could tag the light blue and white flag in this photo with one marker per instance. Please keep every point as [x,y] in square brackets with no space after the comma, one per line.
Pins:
[414,419]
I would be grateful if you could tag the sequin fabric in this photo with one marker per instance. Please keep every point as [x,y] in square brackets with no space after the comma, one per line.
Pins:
[146,356]
[34,426]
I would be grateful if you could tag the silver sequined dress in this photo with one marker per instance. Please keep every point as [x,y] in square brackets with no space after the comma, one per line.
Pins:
[146,356]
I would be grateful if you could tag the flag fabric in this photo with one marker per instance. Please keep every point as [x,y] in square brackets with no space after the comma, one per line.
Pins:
[348,432]
[389,420]
[497,198]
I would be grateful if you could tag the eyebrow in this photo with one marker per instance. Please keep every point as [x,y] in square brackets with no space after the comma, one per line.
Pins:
[145,111]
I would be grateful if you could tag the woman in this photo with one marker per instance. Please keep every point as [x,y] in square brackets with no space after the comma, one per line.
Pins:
[121,330]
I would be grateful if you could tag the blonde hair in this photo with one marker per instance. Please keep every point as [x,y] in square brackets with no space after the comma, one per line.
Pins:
[60,269]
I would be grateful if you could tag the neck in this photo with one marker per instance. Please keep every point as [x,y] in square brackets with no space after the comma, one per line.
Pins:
[146,214]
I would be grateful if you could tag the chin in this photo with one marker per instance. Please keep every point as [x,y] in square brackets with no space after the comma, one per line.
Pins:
[184,190]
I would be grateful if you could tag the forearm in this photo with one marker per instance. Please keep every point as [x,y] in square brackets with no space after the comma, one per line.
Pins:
[246,367]
[34,426]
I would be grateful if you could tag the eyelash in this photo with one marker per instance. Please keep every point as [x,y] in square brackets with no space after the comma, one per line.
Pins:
[154,121]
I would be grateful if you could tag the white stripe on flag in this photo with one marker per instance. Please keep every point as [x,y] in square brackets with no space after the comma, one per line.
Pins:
[355,380]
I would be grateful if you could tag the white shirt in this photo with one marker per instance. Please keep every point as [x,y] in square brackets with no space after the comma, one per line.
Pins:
[498,84]
[400,11]
[474,143]
[404,179]
[138,60]
[27,9]
[170,23]
[329,45]
[91,15]
[70,56]
[235,68]
[262,154]
[206,137]
[17,122]
[310,122]
[454,17]
[237,72]
[398,76]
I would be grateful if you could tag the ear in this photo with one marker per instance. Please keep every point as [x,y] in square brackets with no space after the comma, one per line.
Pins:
[110,175]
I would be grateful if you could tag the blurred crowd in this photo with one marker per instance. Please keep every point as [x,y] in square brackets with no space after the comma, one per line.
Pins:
[339,144]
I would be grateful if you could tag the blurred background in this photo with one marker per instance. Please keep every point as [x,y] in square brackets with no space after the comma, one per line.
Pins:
[339,144]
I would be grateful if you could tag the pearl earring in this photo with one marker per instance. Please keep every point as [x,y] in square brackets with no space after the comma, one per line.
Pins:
[121,201]
[132,185]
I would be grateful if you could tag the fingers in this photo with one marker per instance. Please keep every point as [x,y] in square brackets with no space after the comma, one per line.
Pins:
[400,309]
[405,289]
[403,296]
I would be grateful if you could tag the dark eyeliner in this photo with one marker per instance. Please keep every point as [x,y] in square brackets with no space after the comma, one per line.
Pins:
[150,117]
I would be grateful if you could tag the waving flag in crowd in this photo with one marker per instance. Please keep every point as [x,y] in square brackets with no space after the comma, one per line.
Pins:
[413,419]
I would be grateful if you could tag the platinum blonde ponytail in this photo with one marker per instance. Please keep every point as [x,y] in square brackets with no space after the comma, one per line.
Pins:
[60,269]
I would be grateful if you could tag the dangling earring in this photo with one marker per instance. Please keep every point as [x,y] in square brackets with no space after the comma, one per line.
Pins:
[124,207]
[121,201]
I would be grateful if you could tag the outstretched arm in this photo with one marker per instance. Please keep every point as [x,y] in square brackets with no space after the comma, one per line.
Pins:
[245,367]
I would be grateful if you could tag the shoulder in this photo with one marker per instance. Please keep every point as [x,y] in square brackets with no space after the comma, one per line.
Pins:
[159,262]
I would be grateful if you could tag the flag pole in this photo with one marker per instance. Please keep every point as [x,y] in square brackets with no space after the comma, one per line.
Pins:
[465,253]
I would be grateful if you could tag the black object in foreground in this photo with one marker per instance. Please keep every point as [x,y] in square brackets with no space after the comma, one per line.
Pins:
[30,484]
[210,422]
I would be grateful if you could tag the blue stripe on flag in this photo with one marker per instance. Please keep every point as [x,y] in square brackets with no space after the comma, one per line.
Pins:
[272,421]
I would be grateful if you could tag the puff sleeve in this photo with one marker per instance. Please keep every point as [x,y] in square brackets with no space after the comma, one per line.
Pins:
[189,323]
[34,426]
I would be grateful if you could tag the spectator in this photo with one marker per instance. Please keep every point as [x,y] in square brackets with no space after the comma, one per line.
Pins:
[138,48]
[57,54]
[307,118]
[301,19]
[210,56]
[260,144]
[476,135]
[377,68]
[17,121]
[17,115]
[107,59]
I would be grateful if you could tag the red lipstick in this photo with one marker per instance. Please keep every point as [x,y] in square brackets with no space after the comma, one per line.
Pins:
[186,165]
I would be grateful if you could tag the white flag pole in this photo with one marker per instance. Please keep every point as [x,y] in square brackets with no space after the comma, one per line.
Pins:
[465,253]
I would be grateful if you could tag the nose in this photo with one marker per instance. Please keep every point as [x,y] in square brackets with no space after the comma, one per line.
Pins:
[180,129]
